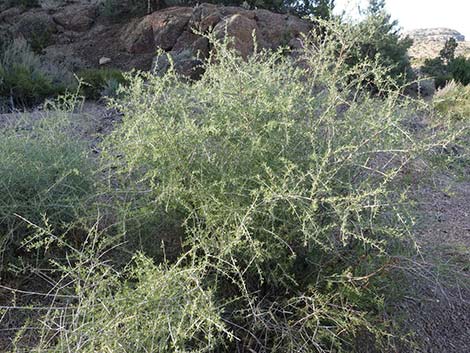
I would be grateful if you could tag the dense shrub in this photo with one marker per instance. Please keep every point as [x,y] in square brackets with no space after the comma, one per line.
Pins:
[44,172]
[289,183]
[23,78]
[460,70]
[285,184]
[435,68]
[100,82]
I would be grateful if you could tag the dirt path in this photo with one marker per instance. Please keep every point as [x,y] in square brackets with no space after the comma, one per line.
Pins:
[438,307]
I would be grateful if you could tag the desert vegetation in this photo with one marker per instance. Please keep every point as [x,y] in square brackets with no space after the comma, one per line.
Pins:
[24,80]
[269,206]
[447,67]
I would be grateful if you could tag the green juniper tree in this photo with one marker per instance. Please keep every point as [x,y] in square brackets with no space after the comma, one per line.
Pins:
[447,54]
[381,40]
[324,8]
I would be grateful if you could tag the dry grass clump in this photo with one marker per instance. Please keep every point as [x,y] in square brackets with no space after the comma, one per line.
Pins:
[453,101]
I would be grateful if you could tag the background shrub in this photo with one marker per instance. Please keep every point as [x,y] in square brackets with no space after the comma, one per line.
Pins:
[379,38]
[436,69]
[460,70]
[23,78]
[44,173]
[100,82]
[453,101]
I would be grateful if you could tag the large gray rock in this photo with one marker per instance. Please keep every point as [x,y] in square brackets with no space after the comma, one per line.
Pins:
[241,30]
[160,29]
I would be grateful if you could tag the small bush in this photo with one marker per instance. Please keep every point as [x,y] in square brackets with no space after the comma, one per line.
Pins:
[44,172]
[453,101]
[100,82]
[22,77]
[435,68]
[460,70]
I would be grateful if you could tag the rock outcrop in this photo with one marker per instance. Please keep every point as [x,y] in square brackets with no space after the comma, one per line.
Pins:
[428,42]
[77,36]
[78,18]
[179,31]
[436,34]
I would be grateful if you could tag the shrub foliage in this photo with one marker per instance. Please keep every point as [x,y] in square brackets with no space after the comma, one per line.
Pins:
[286,177]
[99,82]
[453,101]
[23,80]
[44,174]
[285,184]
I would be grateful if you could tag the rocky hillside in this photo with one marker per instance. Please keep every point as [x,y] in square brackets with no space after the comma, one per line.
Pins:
[77,35]
[429,41]
[437,34]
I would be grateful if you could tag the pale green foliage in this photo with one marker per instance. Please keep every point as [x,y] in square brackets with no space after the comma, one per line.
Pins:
[152,309]
[43,172]
[287,181]
[284,175]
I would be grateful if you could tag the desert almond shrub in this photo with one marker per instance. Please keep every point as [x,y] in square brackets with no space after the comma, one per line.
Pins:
[287,181]
[286,174]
